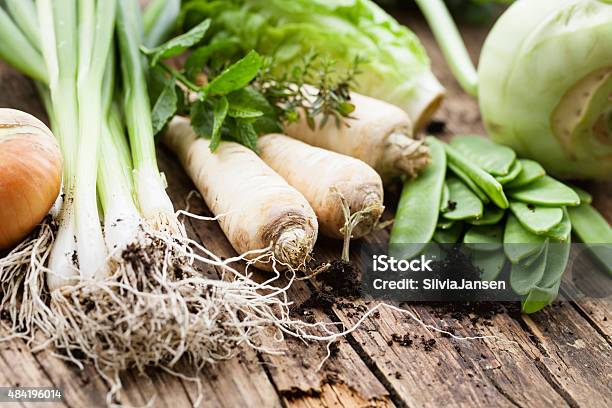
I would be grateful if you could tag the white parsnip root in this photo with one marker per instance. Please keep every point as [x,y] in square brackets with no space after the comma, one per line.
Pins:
[257,208]
[324,177]
[378,133]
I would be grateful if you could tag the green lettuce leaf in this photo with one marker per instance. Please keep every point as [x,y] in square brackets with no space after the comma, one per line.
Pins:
[396,67]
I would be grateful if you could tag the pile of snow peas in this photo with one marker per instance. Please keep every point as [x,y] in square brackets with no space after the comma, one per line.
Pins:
[503,209]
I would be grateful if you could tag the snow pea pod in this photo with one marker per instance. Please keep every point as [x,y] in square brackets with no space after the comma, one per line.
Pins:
[470,183]
[538,298]
[484,238]
[592,228]
[444,199]
[546,191]
[465,204]
[491,215]
[536,219]
[531,171]
[444,223]
[519,243]
[585,197]
[481,178]
[562,232]
[515,170]
[491,263]
[419,205]
[547,289]
[524,277]
[448,236]
[491,157]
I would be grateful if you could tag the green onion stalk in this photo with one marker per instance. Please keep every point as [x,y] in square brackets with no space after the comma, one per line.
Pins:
[153,201]
[544,81]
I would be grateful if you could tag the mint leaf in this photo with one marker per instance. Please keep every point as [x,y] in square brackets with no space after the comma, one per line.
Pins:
[220,108]
[237,76]
[202,118]
[221,49]
[249,99]
[179,44]
[165,107]
[243,112]
[246,135]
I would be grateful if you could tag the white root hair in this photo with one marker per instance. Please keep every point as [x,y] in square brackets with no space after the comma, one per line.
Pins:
[169,297]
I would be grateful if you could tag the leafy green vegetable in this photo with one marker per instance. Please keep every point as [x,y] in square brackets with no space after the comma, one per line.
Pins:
[165,107]
[396,67]
[179,44]
[239,100]
[237,76]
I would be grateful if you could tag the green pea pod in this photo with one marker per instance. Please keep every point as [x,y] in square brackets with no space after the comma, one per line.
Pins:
[481,178]
[548,288]
[536,219]
[531,171]
[449,236]
[484,238]
[556,263]
[444,224]
[418,208]
[524,277]
[490,263]
[491,157]
[515,170]
[444,199]
[491,215]
[519,243]
[465,204]
[592,228]
[538,298]
[546,191]
[563,231]
[585,197]
[469,182]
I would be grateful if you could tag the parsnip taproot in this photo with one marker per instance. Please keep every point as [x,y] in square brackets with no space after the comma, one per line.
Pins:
[378,133]
[255,206]
[323,177]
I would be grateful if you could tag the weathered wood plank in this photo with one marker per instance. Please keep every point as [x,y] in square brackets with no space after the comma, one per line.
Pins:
[576,358]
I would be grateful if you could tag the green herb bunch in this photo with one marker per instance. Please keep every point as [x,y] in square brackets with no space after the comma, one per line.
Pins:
[238,97]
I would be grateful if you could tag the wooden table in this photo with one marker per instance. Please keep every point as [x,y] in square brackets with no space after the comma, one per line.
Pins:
[561,356]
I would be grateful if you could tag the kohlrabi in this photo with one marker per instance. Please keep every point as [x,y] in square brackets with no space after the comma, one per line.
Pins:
[544,81]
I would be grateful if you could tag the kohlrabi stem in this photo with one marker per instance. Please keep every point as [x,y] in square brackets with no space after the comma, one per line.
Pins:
[16,50]
[150,189]
[450,42]
[24,14]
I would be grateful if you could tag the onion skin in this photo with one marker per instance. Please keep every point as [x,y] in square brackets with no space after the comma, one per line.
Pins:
[30,174]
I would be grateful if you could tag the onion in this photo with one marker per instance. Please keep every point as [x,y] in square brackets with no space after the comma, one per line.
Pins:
[30,174]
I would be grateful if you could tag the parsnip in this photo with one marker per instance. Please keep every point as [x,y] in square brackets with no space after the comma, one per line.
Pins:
[256,207]
[378,133]
[323,177]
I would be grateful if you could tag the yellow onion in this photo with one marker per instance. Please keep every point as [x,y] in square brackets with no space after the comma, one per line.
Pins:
[30,174]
